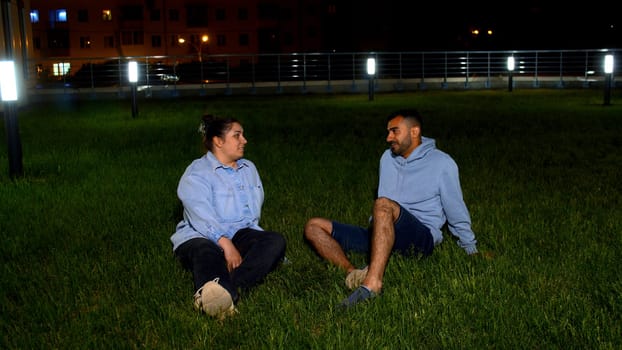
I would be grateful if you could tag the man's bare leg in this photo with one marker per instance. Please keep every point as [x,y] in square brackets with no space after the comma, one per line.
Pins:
[318,233]
[385,214]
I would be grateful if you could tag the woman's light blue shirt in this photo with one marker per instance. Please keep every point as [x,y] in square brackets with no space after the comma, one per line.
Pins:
[218,200]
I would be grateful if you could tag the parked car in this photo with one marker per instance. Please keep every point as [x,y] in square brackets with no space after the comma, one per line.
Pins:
[157,74]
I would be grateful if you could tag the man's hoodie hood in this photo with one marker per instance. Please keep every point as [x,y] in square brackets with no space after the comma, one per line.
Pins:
[427,144]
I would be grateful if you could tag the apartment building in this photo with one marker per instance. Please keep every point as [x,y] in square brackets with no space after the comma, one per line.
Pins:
[68,33]
[78,28]
[72,31]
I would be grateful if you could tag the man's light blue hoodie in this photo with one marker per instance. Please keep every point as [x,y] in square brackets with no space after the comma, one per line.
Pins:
[427,184]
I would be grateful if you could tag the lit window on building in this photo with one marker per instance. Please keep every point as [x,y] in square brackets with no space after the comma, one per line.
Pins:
[34,16]
[107,15]
[60,69]
[61,15]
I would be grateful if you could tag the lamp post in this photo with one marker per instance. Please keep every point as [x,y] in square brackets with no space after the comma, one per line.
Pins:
[199,47]
[132,68]
[608,78]
[371,72]
[8,90]
[510,71]
[199,50]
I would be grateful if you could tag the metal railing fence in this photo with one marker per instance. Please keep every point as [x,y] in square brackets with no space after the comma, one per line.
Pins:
[276,73]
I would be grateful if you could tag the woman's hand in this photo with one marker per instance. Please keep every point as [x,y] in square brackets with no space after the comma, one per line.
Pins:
[233,257]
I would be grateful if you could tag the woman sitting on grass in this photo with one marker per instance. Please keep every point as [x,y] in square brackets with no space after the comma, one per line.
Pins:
[219,238]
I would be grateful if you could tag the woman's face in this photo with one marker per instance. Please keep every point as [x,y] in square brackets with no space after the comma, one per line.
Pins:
[233,143]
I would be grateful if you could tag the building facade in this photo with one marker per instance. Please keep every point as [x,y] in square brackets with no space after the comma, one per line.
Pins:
[68,33]
[122,28]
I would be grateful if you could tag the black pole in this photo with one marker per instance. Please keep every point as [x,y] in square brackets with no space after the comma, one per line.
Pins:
[607,100]
[202,77]
[15,146]
[510,82]
[134,104]
[10,109]
[371,88]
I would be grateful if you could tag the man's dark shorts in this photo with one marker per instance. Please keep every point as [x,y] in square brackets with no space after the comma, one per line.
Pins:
[411,236]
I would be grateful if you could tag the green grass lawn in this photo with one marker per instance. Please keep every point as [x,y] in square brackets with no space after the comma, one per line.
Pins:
[86,260]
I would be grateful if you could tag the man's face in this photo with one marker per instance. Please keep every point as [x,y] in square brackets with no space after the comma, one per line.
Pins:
[401,137]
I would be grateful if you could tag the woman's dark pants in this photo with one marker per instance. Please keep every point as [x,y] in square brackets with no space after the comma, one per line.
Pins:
[261,253]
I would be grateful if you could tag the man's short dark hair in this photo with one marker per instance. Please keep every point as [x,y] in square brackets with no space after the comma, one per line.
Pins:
[408,114]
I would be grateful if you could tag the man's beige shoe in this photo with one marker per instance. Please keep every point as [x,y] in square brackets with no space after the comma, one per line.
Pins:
[356,277]
[214,300]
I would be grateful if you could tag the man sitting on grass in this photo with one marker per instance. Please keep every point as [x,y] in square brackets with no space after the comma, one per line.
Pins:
[418,192]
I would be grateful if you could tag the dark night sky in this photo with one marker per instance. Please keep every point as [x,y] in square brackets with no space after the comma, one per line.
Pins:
[392,25]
